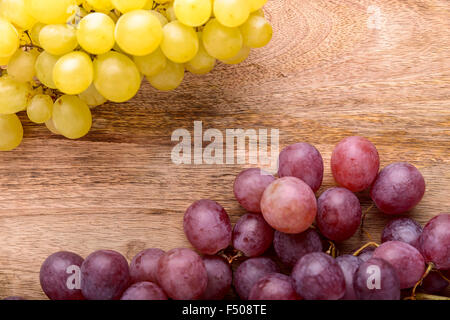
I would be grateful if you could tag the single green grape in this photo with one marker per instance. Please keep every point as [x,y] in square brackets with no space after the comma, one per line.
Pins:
[58,39]
[231,13]
[71,117]
[168,79]
[193,13]
[21,65]
[44,65]
[221,42]
[202,63]
[51,127]
[73,73]
[11,132]
[9,40]
[180,42]
[160,17]
[51,11]
[256,32]
[14,95]
[240,57]
[16,12]
[40,108]
[151,64]
[95,33]
[92,97]
[34,33]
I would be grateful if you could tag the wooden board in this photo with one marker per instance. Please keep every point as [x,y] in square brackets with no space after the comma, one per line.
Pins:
[378,68]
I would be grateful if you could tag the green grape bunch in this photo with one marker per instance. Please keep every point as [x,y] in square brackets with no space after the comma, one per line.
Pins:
[60,58]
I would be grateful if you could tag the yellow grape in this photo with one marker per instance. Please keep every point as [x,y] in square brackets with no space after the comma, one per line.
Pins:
[16,12]
[44,69]
[9,39]
[95,33]
[116,77]
[34,33]
[138,32]
[170,13]
[101,5]
[221,42]
[73,73]
[4,60]
[71,117]
[40,108]
[193,13]
[125,6]
[11,132]
[168,79]
[240,57]
[21,65]
[92,97]
[148,5]
[58,39]
[51,11]
[14,95]
[151,64]
[256,4]
[257,32]
[180,42]
[160,17]
[51,127]
[202,63]
[231,13]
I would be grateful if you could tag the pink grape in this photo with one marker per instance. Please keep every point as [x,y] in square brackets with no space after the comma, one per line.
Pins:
[144,291]
[291,247]
[289,205]
[355,163]
[398,188]
[144,266]
[249,187]
[219,278]
[303,161]
[207,226]
[182,274]
[349,264]
[402,229]
[252,235]
[274,286]
[338,214]
[434,283]
[435,241]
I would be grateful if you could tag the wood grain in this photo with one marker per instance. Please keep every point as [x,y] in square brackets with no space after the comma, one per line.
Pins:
[334,68]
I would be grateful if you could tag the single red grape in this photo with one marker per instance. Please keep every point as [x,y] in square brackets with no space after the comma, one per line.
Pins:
[219,278]
[402,229]
[144,265]
[252,235]
[274,286]
[349,264]
[435,241]
[144,291]
[434,283]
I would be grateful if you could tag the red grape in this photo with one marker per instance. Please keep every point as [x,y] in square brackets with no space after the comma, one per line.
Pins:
[398,188]
[435,241]
[338,214]
[349,264]
[402,229]
[434,283]
[144,265]
[274,286]
[249,187]
[219,278]
[303,161]
[289,205]
[144,291]
[252,235]
[366,254]
[355,163]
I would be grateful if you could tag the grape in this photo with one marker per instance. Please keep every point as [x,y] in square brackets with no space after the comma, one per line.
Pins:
[256,4]
[434,283]
[92,97]
[169,78]
[9,41]
[51,11]
[182,274]
[249,187]
[435,241]
[21,65]
[349,264]
[240,57]
[138,32]
[95,33]
[303,161]
[180,42]
[252,235]
[193,13]
[104,275]
[376,279]
[317,276]
[249,272]
[207,226]
[274,286]
[51,127]
[170,13]
[144,291]
[221,42]
[72,117]
[128,5]
[366,254]
[45,63]
[219,278]
[151,64]
[101,5]
[34,33]
[14,95]
[398,188]
[291,247]
[231,13]
[116,77]
[40,108]
[11,132]
[60,276]
[405,259]
[16,12]
[73,73]
[402,229]
[355,163]
[144,266]
[160,17]
[289,205]
[58,39]
[338,214]
[256,32]
[4,61]
[202,63]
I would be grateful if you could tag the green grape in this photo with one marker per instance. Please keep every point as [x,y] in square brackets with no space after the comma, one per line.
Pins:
[14,95]
[160,17]
[58,39]
[202,63]
[40,108]
[125,6]
[34,33]
[92,97]
[73,73]
[95,33]
[72,117]
[148,5]
[16,12]
[9,40]
[151,64]
[256,32]
[116,77]
[44,69]
[51,127]
[231,13]
[101,5]
[256,4]
[21,65]
[168,79]
[11,131]
[180,42]
[221,42]
[193,13]
[51,11]
[240,57]
[170,13]
[138,32]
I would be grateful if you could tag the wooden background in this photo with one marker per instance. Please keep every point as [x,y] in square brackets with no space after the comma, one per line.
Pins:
[378,68]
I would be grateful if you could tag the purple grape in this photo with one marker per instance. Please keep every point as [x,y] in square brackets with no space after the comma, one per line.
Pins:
[338,214]
[252,235]
[182,274]
[104,275]
[402,229]
[434,283]
[435,241]
[14,298]
[376,279]
[249,272]
[398,188]
[303,161]
[249,187]
[349,264]
[406,260]
[144,291]
[291,247]
[144,265]
[207,226]
[366,254]
[60,276]
[219,278]
[274,286]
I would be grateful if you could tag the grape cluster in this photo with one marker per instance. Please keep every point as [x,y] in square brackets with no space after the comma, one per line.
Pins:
[61,57]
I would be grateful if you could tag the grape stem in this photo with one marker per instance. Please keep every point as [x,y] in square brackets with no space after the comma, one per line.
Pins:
[368,244]
[231,254]
[332,249]
[363,218]
[427,271]
[424,296]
